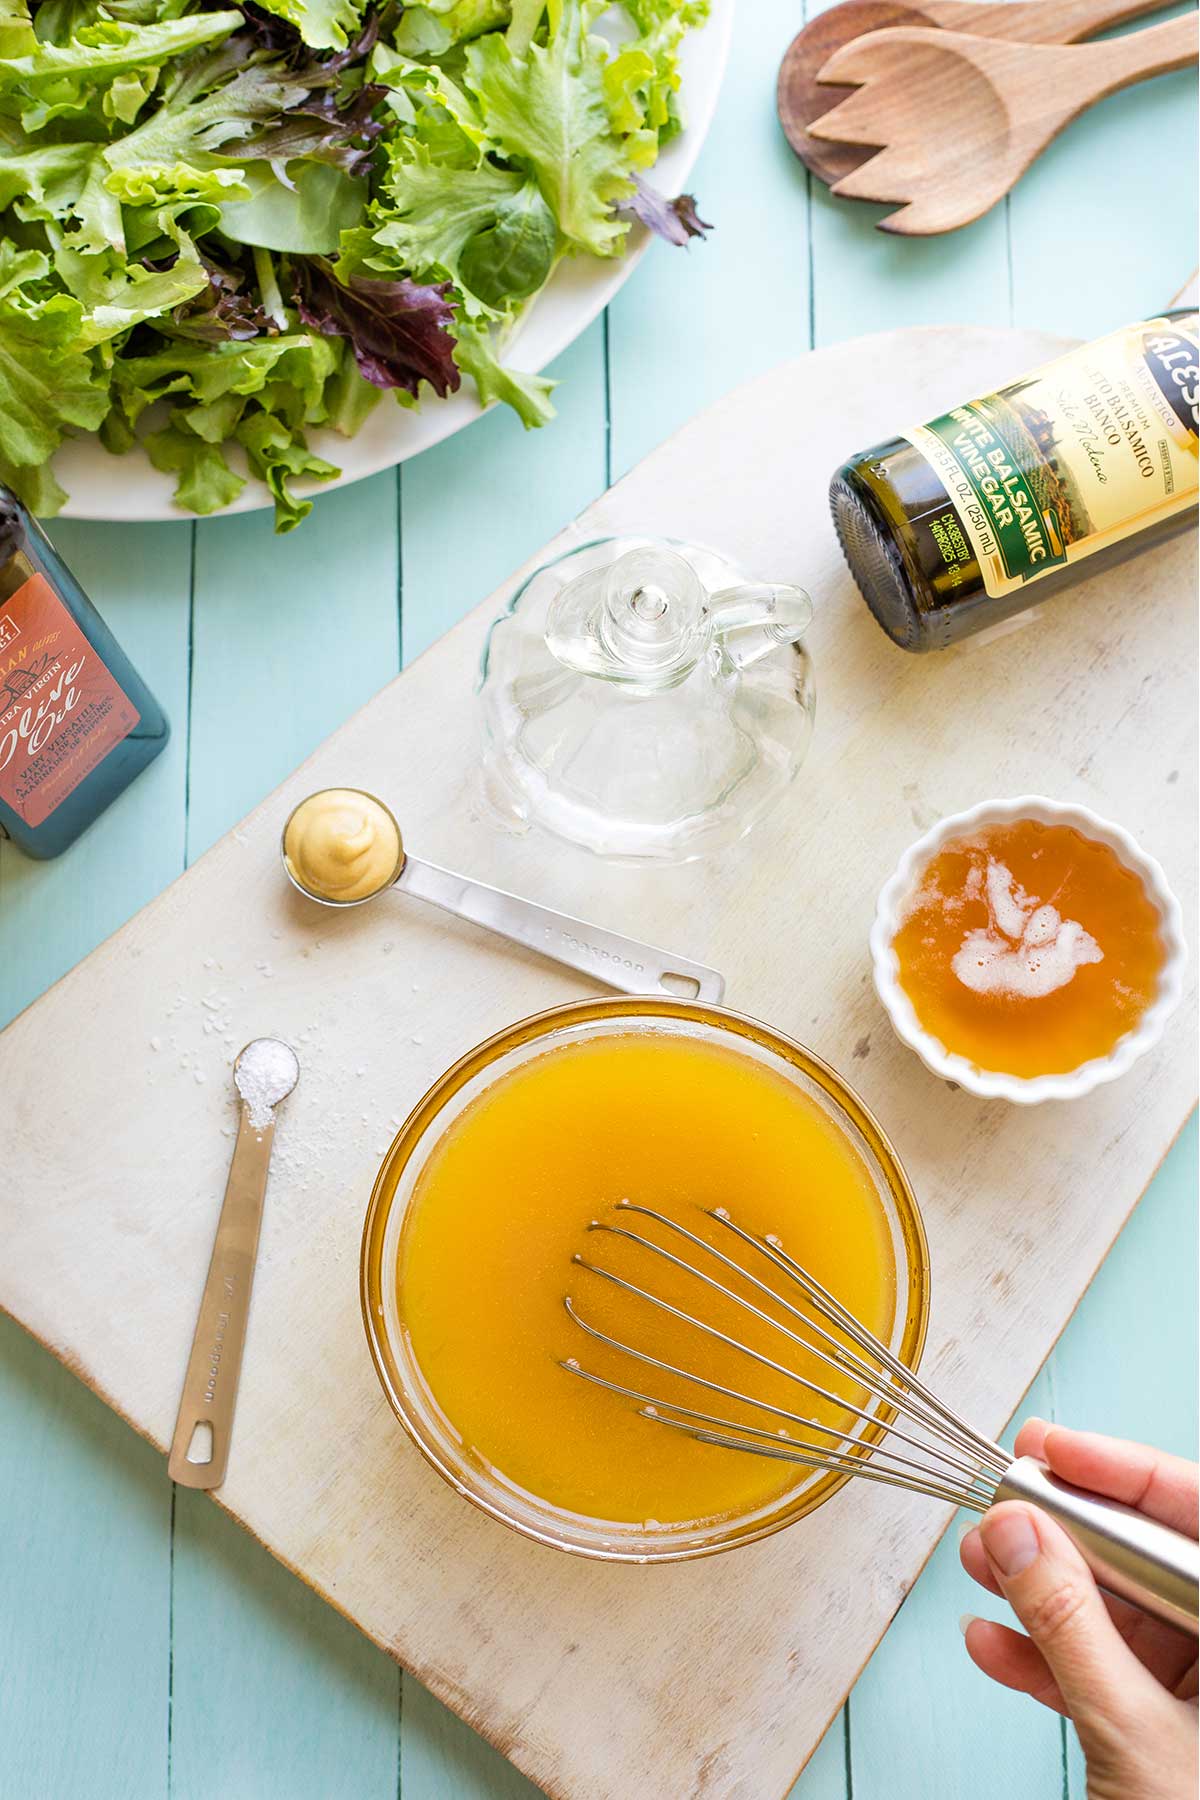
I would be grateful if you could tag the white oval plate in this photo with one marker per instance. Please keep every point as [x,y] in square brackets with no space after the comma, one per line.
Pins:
[128,488]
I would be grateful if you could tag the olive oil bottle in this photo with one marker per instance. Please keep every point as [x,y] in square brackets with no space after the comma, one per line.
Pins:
[961,522]
[77,722]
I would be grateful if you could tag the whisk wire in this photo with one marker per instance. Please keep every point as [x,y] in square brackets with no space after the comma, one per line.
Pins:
[652,1408]
[958,1464]
[868,1471]
[821,1296]
[953,1427]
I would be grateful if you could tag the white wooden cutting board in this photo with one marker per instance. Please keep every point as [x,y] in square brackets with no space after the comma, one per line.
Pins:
[713,1680]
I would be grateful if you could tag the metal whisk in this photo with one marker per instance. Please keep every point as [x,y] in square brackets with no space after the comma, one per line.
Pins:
[928,1449]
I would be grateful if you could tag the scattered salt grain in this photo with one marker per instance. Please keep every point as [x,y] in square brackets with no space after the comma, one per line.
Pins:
[156,1043]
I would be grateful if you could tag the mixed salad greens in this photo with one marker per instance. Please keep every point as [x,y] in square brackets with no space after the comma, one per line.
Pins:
[260,216]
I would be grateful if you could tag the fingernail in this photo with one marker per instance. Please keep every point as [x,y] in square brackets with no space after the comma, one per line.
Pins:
[966,1621]
[964,1531]
[1010,1540]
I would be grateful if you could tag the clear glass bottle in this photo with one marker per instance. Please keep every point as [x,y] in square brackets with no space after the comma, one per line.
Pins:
[645,699]
[77,722]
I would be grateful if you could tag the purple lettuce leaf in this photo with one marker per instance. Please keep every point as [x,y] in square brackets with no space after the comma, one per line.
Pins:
[398,330]
[220,311]
[267,31]
[675,220]
[323,130]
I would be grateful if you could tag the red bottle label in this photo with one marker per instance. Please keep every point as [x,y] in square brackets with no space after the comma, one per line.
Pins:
[61,709]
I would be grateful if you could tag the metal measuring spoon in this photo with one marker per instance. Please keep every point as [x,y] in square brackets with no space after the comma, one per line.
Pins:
[621,962]
[265,1072]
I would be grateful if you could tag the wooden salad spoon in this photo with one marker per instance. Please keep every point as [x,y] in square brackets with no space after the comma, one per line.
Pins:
[958,119]
[801,99]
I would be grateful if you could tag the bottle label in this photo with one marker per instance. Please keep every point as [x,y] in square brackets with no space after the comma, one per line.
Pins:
[1086,451]
[61,709]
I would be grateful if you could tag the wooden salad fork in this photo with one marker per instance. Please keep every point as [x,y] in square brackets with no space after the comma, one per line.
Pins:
[958,118]
[801,98]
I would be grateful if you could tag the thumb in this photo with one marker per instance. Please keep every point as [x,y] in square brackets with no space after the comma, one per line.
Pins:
[1052,1591]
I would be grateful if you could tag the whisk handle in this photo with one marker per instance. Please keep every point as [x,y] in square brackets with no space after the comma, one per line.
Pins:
[1136,1558]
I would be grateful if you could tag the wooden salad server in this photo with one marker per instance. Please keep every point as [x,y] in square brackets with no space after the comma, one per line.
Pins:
[958,119]
[801,99]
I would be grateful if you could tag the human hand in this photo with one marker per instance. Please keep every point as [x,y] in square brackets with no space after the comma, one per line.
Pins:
[1127,1682]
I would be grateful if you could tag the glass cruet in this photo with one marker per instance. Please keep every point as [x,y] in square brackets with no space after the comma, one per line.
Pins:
[645,699]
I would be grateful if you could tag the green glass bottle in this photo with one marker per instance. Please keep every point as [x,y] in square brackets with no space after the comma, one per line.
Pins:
[77,722]
[959,523]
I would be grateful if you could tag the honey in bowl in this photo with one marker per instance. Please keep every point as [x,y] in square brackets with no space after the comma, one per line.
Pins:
[501,1205]
[1029,949]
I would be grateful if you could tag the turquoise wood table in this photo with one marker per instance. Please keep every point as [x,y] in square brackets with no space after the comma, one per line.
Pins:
[147,1646]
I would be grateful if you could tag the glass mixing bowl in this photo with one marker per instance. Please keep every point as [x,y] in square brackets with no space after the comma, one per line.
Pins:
[382,1303]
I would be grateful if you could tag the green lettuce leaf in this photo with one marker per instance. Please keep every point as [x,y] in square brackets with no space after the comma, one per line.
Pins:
[528,395]
[205,372]
[116,295]
[17,36]
[169,162]
[547,109]
[432,28]
[206,481]
[508,259]
[279,456]
[349,397]
[108,48]
[435,208]
[47,384]
[58,21]
[444,119]
[41,181]
[323,24]
[205,110]
[306,217]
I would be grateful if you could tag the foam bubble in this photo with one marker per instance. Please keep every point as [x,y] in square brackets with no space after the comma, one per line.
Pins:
[1027,950]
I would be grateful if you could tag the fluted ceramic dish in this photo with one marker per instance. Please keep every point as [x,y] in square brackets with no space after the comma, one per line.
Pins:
[992,1084]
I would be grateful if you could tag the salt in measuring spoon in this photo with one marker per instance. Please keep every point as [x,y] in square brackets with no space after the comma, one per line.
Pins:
[265,1073]
[620,962]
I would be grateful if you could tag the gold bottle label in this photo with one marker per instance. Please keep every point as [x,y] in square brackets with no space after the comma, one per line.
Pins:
[1088,450]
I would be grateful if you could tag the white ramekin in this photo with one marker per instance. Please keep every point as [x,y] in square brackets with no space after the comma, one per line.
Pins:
[991,1084]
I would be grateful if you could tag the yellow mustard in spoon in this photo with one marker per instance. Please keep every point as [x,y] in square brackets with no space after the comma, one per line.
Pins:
[342,847]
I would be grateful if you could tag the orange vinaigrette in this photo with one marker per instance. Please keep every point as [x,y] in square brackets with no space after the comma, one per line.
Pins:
[1029,949]
[504,1202]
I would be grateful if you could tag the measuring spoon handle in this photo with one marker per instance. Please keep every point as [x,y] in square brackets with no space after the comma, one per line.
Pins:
[210,1385]
[620,962]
